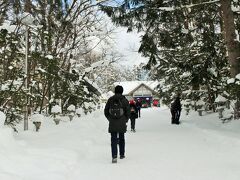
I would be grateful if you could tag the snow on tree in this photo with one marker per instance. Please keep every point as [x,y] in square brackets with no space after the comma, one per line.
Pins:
[62,37]
[181,37]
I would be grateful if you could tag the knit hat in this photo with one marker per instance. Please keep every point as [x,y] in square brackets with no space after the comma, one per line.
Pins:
[131,102]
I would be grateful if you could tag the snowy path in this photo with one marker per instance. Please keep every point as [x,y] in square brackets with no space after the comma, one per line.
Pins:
[80,150]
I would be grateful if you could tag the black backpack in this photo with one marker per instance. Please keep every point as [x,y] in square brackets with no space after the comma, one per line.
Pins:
[116,109]
[132,109]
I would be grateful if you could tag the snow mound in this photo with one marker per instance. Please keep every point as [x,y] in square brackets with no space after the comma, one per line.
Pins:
[2,118]
[56,109]
[37,118]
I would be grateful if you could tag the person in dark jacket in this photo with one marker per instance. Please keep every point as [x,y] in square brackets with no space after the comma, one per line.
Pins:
[117,125]
[139,106]
[176,108]
[133,114]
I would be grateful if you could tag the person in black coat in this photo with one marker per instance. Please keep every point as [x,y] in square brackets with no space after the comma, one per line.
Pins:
[176,108]
[117,125]
[133,115]
[139,106]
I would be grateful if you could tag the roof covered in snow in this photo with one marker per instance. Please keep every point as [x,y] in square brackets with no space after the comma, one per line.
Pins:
[129,86]
[107,95]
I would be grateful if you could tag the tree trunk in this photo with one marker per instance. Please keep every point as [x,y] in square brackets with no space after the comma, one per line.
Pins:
[233,48]
[28,6]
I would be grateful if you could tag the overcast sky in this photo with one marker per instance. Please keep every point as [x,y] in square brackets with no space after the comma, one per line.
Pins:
[128,44]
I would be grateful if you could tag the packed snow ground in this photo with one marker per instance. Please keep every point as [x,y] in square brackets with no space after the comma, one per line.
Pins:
[201,148]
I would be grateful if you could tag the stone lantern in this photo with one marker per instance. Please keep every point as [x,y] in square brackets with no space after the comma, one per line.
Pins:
[221,104]
[56,110]
[187,105]
[199,105]
[71,111]
[37,120]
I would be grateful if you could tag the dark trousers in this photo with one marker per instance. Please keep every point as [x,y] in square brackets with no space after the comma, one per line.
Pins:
[133,120]
[115,138]
[175,117]
[139,112]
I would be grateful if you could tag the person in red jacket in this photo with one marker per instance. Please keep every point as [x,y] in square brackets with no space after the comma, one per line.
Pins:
[133,114]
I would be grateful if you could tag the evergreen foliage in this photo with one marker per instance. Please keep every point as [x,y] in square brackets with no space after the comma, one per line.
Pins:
[184,42]
[61,33]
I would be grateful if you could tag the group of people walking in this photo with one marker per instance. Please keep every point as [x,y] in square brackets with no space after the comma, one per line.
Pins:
[118,111]
[135,112]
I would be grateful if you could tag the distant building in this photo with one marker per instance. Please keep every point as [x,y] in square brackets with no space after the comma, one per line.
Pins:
[141,90]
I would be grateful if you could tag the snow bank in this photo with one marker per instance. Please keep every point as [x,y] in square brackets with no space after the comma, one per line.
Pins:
[200,148]
[7,141]
[2,119]
[79,111]
[10,153]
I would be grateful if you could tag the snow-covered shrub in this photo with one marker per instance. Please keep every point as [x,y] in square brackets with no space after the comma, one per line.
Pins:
[7,142]
[233,86]
[227,117]
[98,106]
[86,107]
[79,112]
[91,107]
[13,117]
[71,108]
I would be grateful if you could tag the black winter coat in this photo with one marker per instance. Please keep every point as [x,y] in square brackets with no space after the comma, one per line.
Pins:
[138,105]
[133,115]
[117,125]
[176,105]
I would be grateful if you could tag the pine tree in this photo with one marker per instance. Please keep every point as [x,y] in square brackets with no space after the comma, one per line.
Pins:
[183,41]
